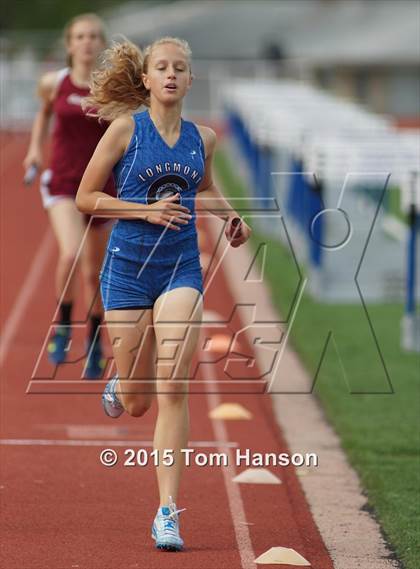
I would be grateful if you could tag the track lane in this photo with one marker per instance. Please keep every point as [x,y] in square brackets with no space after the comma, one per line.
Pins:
[61,508]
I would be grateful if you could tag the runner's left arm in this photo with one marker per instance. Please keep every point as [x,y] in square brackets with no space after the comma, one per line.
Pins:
[209,196]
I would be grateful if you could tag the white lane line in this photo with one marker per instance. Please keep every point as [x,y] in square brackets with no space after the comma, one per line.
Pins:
[29,287]
[108,443]
[236,504]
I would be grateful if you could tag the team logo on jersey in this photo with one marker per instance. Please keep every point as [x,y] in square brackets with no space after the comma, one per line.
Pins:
[74,99]
[165,187]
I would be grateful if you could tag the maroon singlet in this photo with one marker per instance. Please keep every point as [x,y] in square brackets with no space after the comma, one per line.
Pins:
[74,139]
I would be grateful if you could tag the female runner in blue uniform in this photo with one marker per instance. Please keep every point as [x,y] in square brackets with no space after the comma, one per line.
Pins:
[151,281]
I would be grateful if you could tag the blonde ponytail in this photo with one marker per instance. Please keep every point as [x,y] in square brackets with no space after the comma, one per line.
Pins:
[116,85]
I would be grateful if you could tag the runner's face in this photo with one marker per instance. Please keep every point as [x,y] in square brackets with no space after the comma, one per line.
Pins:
[85,42]
[168,76]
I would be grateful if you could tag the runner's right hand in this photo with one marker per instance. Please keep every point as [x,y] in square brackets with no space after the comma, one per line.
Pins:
[167,212]
[33,158]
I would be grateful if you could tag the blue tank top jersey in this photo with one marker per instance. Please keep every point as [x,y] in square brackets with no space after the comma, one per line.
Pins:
[151,170]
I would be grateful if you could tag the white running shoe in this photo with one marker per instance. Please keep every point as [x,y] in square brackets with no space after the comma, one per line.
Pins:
[110,401]
[165,528]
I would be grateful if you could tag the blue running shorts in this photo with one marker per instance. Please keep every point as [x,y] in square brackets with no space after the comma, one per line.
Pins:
[136,272]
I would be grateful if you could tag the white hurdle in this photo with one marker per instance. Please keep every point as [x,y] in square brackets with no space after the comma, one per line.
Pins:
[334,168]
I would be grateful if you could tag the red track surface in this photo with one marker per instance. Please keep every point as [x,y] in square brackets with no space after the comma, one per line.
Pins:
[60,508]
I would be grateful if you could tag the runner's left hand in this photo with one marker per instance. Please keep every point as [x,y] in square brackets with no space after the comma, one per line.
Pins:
[237,231]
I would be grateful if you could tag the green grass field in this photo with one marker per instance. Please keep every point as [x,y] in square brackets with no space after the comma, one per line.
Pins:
[379,432]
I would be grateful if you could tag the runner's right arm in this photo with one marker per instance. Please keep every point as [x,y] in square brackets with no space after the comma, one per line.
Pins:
[46,87]
[92,200]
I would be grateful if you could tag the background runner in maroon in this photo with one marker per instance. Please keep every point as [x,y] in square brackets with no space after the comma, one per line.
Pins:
[74,139]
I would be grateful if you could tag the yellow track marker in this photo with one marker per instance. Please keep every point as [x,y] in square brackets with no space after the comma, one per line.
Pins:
[230,412]
[256,476]
[282,556]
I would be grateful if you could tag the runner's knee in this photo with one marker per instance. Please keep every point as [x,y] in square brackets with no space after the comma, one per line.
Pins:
[91,277]
[175,398]
[136,407]
[172,390]
[68,259]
